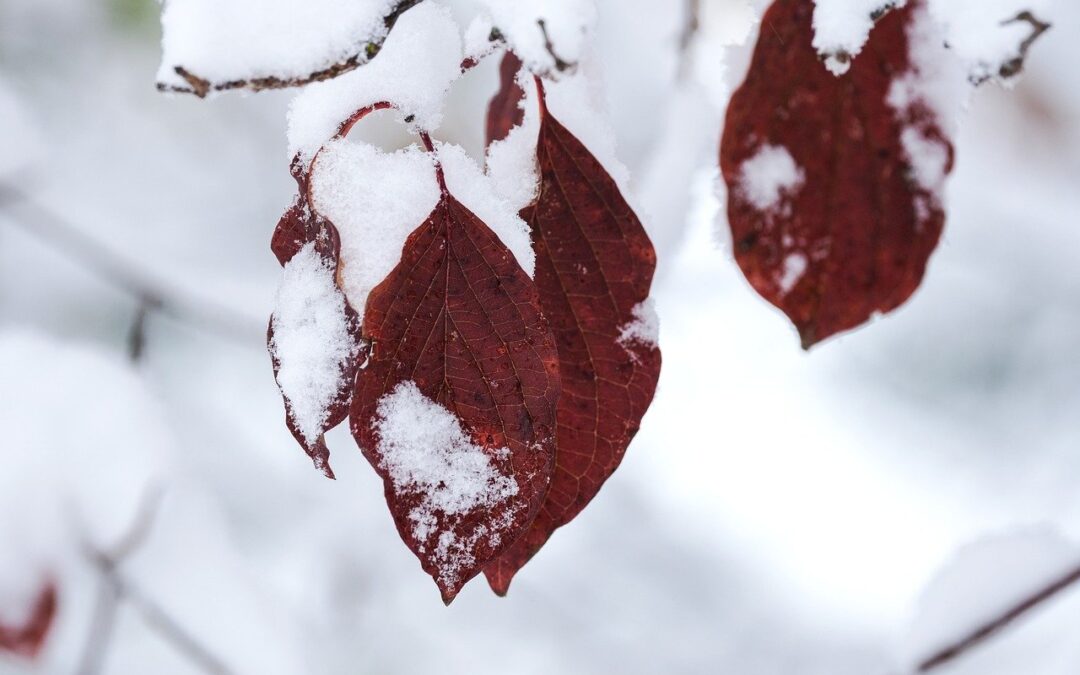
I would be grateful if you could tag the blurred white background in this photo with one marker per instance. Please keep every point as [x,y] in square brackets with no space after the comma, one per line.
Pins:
[780,512]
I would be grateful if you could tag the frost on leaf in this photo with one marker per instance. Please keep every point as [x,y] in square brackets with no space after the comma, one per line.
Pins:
[847,233]
[841,28]
[218,45]
[26,636]
[594,268]
[462,364]
[314,335]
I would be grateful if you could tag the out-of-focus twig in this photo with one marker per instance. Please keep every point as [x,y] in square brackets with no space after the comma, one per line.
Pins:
[115,589]
[152,293]
[995,625]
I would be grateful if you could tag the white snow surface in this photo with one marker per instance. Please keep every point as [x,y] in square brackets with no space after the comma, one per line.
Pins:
[225,40]
[768,176]
[426,452]
[419,61]
[984,580]
[311,340]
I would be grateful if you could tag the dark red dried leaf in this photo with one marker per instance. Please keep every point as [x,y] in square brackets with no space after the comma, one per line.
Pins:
[505,112]
[460,319]
[27,639]
[594,267]
[860,224]
[299,226]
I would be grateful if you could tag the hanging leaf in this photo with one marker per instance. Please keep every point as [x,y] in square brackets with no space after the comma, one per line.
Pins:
[505,112]
[27,639]
[594,268]
[833,181]
[456,407]
[314,335]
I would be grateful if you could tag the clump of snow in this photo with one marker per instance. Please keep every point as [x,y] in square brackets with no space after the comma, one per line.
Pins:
[227,40]
[841,28]
[478,41]
[375,199]
[984,34]
[419,61]
[567,23]
[467,182]
[426,452]
[795,265]
[644,329]
[768,176]
[985,579]
[311,342]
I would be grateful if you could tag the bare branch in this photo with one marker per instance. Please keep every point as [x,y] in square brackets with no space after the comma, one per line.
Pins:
[127,275]
[200,86]
[991,628]
[560,65]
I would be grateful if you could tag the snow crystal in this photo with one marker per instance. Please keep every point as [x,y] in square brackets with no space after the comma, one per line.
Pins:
[795,265]
[419,61]
[984,580]
[767,176]
[226,40]
[644,329]
[426,452]
[311,340]
[567,23]
[841,28]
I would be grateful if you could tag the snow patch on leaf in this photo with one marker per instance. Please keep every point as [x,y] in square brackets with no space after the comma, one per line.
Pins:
[427,453]
[770,175]
[841,28]
[644,329]
[311,340]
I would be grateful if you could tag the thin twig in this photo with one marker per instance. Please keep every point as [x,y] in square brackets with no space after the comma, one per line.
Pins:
[1013,66]
[549,46]
[127,275]
[991,628]
[201,86]
[116,589]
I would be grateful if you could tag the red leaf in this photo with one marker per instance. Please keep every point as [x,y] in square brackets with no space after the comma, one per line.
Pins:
[28,639]
[594,267]
[505,112]
[853,236]
[456,329]
[299,226]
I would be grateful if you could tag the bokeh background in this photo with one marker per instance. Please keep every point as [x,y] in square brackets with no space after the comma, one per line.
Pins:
[780,512]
